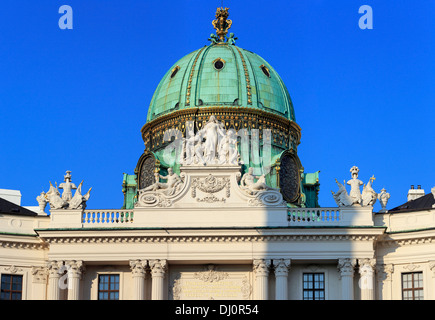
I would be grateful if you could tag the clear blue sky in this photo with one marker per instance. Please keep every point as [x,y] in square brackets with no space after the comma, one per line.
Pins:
[77,99]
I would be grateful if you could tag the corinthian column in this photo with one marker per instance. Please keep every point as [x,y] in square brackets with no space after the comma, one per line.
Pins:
[138,270]
[346,268]
[281,278]
[158,270]
[261,272]
[366,282]
[75,269]
[53,279]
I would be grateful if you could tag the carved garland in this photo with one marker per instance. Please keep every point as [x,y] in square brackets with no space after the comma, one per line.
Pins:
[210,184]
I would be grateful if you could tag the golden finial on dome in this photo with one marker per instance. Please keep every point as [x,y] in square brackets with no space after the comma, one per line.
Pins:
[222,23]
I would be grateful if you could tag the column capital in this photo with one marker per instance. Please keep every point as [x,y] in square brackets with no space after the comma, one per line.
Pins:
[366,266]
[53,268]
[75,268]
[158,267]
[138,267]
[281,267]
[262,266]
[346,266]
[39,274]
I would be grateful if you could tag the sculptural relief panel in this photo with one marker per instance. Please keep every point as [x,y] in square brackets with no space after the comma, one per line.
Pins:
[209,282]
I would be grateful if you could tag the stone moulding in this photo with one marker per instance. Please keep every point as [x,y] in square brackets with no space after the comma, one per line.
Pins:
[207,239]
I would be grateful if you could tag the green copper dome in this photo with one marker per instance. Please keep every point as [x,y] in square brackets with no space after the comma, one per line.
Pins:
[221,74]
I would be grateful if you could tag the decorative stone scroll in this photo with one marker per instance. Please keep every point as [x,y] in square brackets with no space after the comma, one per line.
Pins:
[160,194]
[259,192]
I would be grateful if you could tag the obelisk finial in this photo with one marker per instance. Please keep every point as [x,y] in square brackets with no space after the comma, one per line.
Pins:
[222,23]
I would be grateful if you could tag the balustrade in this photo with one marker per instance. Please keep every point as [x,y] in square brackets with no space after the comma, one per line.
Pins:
[104,217]
[314,216]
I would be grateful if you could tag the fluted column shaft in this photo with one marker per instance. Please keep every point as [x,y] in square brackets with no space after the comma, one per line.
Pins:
[74,269]
[261,272]
[366,282]
[158,271]
[346,268]
[281,278]
[53,279]
[138,269]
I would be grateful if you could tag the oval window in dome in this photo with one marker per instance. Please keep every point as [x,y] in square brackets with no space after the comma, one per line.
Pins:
[219,64]
[265,70]
[174,71]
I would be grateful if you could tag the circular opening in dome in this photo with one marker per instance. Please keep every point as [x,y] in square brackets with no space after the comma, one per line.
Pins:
[174,71]
[218,64]
[265,70]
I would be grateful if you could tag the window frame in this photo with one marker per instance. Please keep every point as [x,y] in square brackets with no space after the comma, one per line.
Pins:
[413,289]
[10,291]
[109,275]
[313,289]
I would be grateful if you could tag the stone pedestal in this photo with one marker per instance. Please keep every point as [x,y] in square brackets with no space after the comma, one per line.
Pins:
[210,197]
[65,218]
[357,216]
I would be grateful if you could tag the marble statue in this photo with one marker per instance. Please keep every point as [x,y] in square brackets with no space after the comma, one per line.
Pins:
[383,198]
[42,201]
[249,184]
[172,184]
[228,148]
[66,201]
[212,145]
[213,132]
[355,184]
[369,196]
[67,187]
[79,200]
[341,197]
[54,198]
[189,146]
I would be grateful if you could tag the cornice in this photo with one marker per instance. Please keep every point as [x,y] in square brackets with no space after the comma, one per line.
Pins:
[61,239]
[17,244]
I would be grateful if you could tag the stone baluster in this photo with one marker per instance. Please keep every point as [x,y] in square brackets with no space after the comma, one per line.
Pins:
[53,279]
[281,278]
[346,268]
[261,272]
[138,270]
[366,282]
[158,270]
[75,269]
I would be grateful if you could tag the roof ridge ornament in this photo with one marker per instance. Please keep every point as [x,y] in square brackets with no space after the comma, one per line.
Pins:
[222,24]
